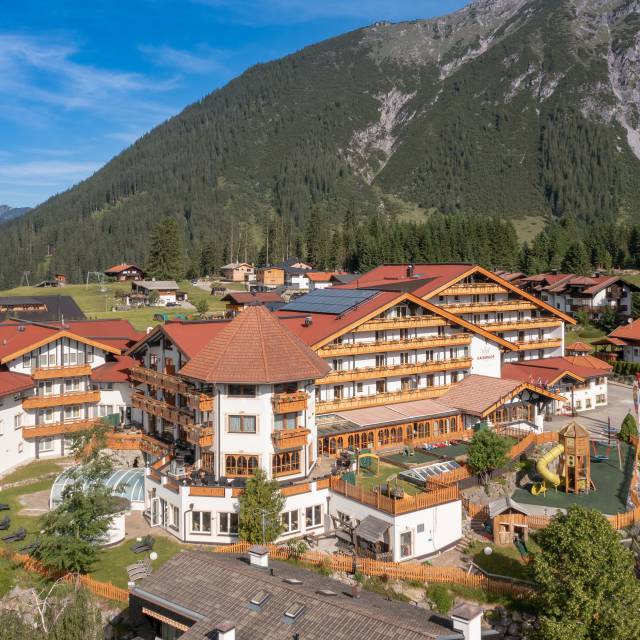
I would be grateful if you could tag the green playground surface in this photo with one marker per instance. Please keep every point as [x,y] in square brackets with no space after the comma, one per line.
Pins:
[612,485]
[451,450]
[418,457]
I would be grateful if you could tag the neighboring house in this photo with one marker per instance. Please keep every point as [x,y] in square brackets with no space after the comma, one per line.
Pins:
[56,380]
[236,301]
[269,277]
[580,379]
[54,308]
[571,293]
[238,272]
[291,273]
[205,596]
[167,290]
[124,272]
[624,342]
[324,279]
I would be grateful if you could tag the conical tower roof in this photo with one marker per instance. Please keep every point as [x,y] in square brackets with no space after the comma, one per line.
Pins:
[574,430]
[255,348]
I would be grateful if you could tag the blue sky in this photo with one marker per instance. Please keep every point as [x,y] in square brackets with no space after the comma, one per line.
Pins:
[80,81]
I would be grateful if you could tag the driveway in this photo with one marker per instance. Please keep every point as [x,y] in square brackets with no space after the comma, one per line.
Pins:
[620,402]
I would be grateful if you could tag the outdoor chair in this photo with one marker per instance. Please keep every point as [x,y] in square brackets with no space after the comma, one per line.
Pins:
[5,523]
[18,536]
[4,506]
[146,544]
[139,570]
[30,548]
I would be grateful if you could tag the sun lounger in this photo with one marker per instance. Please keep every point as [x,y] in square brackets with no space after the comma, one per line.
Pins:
[18,536]
[30,548]
[5,523]
[4,507]
[146,544]
[139,570]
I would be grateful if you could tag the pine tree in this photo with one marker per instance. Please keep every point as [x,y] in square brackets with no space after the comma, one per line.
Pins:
[166,255]
[576,260]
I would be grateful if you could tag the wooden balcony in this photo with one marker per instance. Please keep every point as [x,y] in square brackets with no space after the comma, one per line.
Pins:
[41,402]
[381,346]
[172,384]
[519,325]
[154,446]
[61,372]
[199,401]
[547,343]
[289,402]
[124,441]
[372,373]
[291,438]
[408,322]
[58,428]
[488,307]
[162,409]
[473,288]
[201,435]
[377,399]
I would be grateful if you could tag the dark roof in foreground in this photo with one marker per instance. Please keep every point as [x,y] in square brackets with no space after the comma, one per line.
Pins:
[220,587]
[58,307]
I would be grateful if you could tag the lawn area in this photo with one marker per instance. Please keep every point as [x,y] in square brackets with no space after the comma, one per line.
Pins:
[370,480]
[504,561]
[584,334]
[98,304]
[33,470]
[112,563]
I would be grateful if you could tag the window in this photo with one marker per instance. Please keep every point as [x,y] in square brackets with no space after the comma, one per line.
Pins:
[313,517]
[338,392]
[381,386]
[404,334]
[381,336]
[404,357]
[428,356]
[242,424]
[420,528]
[89,354]
[381,360]
[175,518]
[406,544]
[45,445]
[286,421]
[72,384]
[578,404]
[45,388]
[1,427]
[290,521]
[337,364]
[285,463]
[344,518]
[240,465]
[246,390]
[104,410]
[47,415]
[153,360]
[17,421]
[26,361]
[72,412]
[588,403]
[228,523]
[359,387]
[200,522]
[600,399]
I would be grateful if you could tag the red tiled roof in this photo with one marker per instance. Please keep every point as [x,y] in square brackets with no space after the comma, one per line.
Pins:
[547,371]
[255,348]
[629,331]
[116,328]
[191,337]
[15,336]
[116,371]
[13,382]
[119,268]
[475,393]
[244,297]
[323,276]
[579,346]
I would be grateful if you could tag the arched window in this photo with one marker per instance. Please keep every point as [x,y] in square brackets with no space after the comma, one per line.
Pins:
[240,465]
[285,463]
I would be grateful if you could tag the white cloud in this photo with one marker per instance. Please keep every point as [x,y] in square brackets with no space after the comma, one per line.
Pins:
[45,173]
[204,61]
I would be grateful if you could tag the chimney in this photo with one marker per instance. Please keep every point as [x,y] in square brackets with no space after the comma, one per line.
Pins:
[409,271]
[259,556]
[467,619]
[226,630]
[308,321]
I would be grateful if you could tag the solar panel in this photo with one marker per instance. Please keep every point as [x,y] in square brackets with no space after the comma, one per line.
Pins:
[332,301]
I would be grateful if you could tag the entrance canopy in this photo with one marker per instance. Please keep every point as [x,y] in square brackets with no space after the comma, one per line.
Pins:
[372,529]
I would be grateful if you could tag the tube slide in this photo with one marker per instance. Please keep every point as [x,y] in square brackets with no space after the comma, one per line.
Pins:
[552,478]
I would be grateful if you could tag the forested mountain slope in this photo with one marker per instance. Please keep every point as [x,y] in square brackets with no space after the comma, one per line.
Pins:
[506,108]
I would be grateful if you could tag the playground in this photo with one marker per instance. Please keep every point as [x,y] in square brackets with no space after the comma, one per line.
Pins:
[410,458]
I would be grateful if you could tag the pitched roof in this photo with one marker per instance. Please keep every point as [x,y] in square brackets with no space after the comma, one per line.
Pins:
[245,297]
[581,347]
[114,371]
[156,284]
[322,276]
[547,371]
[11,383]
[57,307]
[119,268]
[255,348]
[235,265]
[630,331]
[219,587]
[560,282]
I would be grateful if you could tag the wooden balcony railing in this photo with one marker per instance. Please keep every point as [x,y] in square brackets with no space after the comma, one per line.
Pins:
[41,402]
[162,409]
[57,429]
[61,372]
[291,438]
[154,446]
[487,307]
[199,401]
[368,373]
[347,349]
[473,288]
[547,343]
[201,435]
[289,402]
[408,322]
[375,400]
[173,384]
[518,325]
[124,441]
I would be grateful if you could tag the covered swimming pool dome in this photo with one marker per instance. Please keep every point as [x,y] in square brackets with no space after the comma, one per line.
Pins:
[127,483]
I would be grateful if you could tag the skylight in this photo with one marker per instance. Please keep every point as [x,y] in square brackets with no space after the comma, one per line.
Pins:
[294,611]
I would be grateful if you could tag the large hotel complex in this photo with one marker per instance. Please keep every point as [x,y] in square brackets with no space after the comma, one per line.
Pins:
[400,357]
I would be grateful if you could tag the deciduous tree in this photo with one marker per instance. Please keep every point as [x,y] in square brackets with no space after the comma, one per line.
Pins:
[487,452]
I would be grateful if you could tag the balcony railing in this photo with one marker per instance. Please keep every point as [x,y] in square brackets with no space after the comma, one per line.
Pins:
[162,409]
[289,402]
[291,438]
[58,428]
[473,288]
[547,343]
[124,441]
[173,384]
[346,349]
[154,446]
[377,399]
[41,402]
[61,372]
[485,307]
[518,325]
[201,435]
[407,322]
[369,373]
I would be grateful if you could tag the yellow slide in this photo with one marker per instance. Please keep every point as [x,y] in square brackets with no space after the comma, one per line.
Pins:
[552,478]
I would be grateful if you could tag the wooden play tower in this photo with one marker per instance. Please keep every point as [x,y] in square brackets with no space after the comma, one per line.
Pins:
[576,469]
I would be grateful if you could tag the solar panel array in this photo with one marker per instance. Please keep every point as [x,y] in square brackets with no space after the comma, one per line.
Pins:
[333,301]
[420,475]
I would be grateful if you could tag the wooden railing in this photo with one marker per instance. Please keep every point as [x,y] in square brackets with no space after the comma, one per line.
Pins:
[173,384]
[207,492]
[202,435]
[162,409]
[291,438]
[407,322]
[484,307]
[393,506]
[350,348]
[374,400]
[473,288]
[41,402]
[154,446]
[518,325]
[547,343]
[58,428]
[124,441]
[61,372]
[367,373]
[289,402]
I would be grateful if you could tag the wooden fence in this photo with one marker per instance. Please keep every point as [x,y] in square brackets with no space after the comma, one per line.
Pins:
[102,589]
[393,570]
